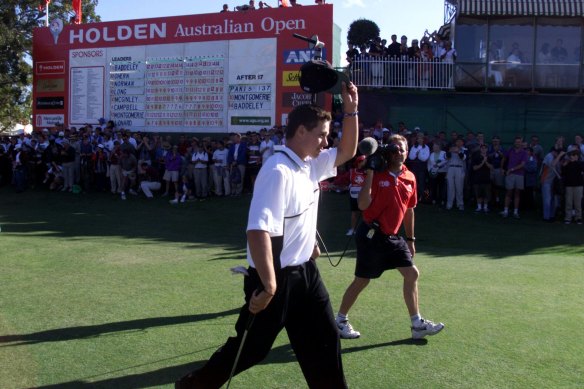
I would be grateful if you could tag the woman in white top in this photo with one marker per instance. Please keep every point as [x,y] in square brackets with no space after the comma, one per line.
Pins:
[437,174]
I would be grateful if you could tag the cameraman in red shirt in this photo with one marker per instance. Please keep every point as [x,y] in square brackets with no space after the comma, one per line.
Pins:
[387,200]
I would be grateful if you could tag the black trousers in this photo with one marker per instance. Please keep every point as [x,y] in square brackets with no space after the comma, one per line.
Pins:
[302,306]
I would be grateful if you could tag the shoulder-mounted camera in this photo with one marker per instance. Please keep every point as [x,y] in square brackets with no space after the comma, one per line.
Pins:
[379,161]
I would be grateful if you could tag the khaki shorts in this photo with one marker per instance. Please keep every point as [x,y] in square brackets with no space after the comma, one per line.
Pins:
[497,177]
[170,175]
[514,181]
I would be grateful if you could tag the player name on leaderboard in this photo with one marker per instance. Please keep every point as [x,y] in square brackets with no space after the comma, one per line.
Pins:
[127,100]
[168,92]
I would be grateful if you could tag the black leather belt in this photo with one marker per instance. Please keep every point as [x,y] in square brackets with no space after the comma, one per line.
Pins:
[378,230]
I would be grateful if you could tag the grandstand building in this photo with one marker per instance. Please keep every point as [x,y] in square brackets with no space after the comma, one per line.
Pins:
[518,71]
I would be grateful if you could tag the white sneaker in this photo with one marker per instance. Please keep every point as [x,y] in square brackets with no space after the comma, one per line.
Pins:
[183,198]
[173,201]
[350,232]
[346,330]
[427,328]
[123,195]
[479,209]
[504,214]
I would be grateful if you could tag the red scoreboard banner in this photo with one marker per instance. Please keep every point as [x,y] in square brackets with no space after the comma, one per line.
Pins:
[232,71]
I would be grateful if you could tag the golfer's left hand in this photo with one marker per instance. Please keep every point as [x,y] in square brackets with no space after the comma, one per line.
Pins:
[259,301]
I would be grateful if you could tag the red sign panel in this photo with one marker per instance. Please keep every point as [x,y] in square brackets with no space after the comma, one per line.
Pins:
[198,73]
[49,67]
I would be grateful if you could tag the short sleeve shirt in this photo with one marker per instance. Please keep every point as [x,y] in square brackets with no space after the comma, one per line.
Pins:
[391,196]
[285,202]
[515,158]
[220,155]
[201,156]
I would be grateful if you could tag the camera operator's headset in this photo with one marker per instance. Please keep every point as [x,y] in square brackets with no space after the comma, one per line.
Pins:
[317,76]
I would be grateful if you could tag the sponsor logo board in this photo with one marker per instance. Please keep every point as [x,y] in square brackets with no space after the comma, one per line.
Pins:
[293,57]
[251,121]
[50,85]
[293,99]
[57,102]
[48,120]
[50,67]
[291,78]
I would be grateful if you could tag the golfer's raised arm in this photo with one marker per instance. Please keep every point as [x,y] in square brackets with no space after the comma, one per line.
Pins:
[348,146]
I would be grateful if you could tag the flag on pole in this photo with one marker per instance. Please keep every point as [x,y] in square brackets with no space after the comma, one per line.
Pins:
[77,10]
[43,4]
[46,7]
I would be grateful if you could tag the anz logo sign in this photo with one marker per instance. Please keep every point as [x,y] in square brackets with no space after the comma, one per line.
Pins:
[300,56]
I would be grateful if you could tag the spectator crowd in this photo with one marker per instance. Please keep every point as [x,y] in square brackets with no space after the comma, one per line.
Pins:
[401,64]
[105,159]
[454,171]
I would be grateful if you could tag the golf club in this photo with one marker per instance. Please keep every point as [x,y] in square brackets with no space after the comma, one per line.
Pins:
[247,327]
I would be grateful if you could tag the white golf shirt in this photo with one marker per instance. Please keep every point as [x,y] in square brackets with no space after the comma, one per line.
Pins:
[285,202]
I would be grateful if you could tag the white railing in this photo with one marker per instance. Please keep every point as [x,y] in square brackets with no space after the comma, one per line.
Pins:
[391,73]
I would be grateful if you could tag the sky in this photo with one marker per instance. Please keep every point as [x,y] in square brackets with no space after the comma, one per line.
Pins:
[398,17]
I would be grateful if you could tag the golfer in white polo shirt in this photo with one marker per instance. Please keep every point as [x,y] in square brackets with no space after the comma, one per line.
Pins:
[284,288]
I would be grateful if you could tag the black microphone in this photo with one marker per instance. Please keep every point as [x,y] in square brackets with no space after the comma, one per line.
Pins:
[305,39]
[368,146]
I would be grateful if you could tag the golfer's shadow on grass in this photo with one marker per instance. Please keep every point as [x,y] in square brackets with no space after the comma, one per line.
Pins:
[285,354]
[164,376]
[167,375]
[84,332]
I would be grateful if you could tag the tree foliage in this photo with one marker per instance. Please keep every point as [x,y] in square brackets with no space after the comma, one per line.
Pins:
[18,18]
[361,31]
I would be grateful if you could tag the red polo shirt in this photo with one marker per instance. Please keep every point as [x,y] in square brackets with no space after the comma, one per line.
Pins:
[391,197]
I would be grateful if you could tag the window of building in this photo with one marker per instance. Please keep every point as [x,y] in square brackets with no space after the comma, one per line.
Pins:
[471,40]
[471,47]
[558,43]
[510,54]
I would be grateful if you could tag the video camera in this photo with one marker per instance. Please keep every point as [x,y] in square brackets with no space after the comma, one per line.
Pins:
[379,161]
[378,156]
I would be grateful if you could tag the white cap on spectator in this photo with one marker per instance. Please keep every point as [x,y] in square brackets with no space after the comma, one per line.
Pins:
[45,130]
[61,133]
[385,130]
[100,146]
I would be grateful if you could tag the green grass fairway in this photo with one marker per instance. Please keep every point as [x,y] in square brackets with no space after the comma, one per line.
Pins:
[100,293]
